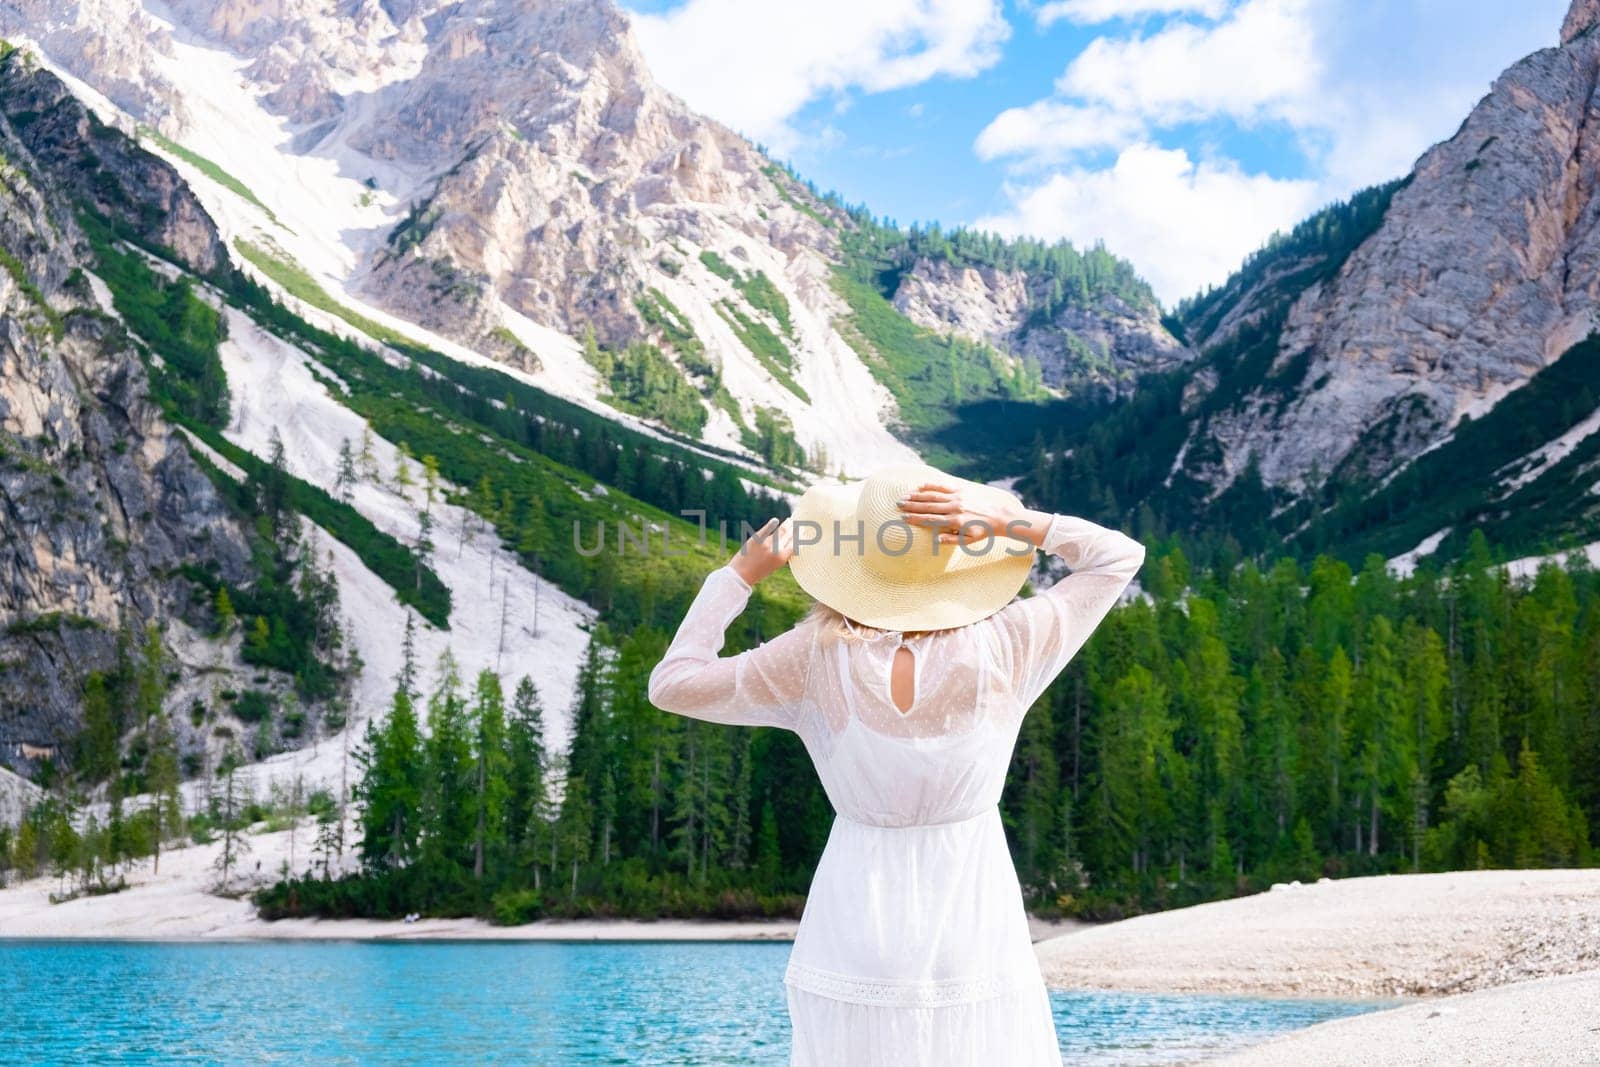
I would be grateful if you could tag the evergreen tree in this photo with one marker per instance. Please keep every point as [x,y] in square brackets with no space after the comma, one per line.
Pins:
[1032,789]
[493,760]
[403,480]
[1379,734]
[574,829]
[449,804]
[223,606]
[526,796]
[390,789]
[430,478]
[424,551]
[101,733]
[368,456]
[344,482]
[230,820]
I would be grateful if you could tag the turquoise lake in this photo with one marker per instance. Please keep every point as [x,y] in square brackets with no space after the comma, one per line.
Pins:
[480,1002]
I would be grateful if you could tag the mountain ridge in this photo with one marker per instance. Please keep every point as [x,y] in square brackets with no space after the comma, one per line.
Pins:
[1400,369]
[527,182]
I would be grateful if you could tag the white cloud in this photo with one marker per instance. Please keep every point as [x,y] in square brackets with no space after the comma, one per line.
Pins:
[1093,12]
[1047,130]
[1258,64]
[1361,88]
[755,65]
[1182,223]
[1260,61]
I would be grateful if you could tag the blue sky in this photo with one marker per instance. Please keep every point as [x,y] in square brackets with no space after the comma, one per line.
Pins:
[1180,132]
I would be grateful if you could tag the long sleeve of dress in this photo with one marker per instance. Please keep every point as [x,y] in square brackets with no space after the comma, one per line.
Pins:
[760,687]
[1039,636]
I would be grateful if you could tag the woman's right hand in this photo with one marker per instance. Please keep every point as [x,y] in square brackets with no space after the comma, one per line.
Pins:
[764,552]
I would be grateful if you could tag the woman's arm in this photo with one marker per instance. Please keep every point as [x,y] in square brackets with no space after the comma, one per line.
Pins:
[761,687]
[1038,636]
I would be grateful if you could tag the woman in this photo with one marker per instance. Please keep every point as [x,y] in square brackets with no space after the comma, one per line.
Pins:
[907,684]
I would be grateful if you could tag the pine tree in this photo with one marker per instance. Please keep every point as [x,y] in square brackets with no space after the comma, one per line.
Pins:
[1424,678]
[402,470]
[1032,788]
[424,551]
[390,789]
[101,742]
[234,843]
[768,853]
[1379,732]
[161,761]
[739,840]
[430,478]
[1136,757]
[1338,685]
[272,493]
[505,516]
[223,607]
[526,796]
[151,681]
[369,456]
[329,841]
[161,772]
[586,752]
[406,680]
[260,637]
[574,829]
[480,507]
[1213,694]
[492,761]
[448,800]
[531,542]
[345,479]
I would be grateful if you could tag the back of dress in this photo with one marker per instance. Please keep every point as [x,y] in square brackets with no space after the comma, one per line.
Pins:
[913,947]
[944,758]
[941,760]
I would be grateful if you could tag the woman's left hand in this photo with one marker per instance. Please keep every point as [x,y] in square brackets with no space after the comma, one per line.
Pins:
[942,508]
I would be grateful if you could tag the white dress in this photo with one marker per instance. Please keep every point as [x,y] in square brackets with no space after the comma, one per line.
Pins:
[913,947]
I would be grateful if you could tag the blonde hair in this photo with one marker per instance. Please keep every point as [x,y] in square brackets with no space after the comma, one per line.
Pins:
[843,626]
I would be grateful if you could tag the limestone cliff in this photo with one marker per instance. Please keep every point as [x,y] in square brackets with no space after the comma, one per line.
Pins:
[1107,340]
[1485,269]
[100,501]
[533,176]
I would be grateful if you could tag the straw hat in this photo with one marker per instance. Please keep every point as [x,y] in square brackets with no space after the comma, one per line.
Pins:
[856,553]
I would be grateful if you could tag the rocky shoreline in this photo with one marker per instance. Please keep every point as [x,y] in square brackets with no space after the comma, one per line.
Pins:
[1409,935]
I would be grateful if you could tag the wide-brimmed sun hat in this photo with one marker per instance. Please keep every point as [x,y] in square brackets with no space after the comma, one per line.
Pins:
[856,553]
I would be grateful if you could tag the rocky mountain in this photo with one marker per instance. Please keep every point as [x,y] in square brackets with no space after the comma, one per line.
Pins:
[1482,273]
[17,794]
[479,232]
[1404,366]
[1107,339]
[101,504]
[236,510]
[509,177]
[175,535]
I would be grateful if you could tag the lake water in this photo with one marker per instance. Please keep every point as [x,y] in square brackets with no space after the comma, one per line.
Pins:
[480,1002]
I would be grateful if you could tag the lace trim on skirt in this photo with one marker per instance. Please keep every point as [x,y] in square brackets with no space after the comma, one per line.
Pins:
[901,992]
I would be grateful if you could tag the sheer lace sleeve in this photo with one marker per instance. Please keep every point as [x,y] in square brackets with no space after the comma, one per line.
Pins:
[761,687]
[1038,637]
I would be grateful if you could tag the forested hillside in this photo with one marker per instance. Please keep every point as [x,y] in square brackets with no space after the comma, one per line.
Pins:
[506,510]
[1230,731]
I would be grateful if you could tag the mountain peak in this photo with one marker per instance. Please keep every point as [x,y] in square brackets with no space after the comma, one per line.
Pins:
[1581,18]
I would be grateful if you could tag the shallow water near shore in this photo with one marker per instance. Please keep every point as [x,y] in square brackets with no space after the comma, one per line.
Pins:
[491,1002]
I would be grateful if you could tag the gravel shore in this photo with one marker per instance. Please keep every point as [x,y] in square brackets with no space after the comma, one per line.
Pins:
[1396,935]
[1552,1022]
[180,904]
